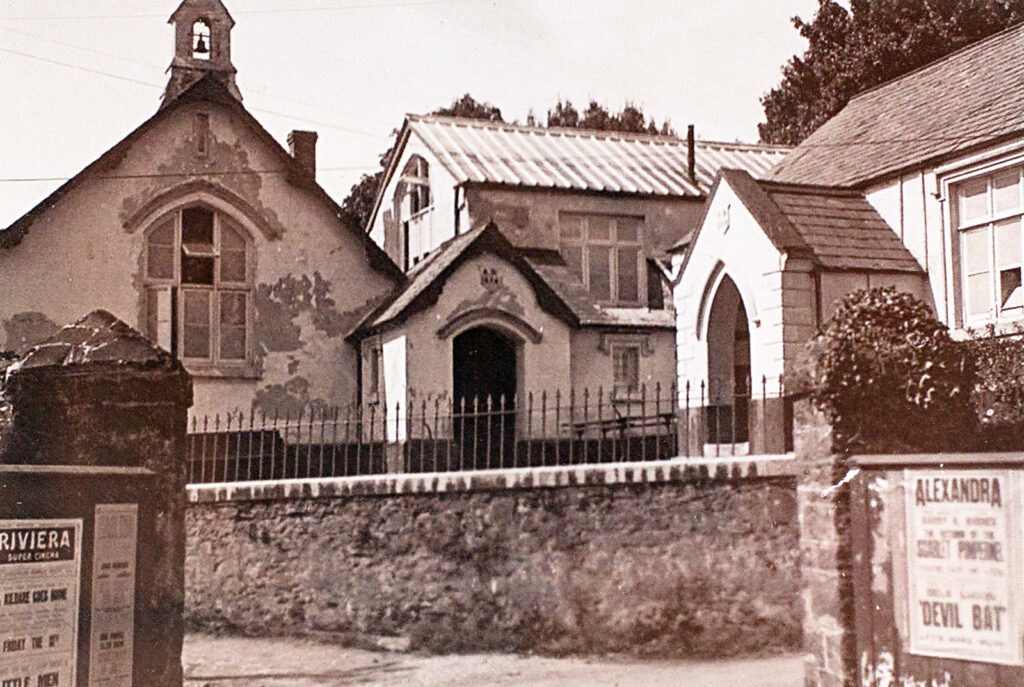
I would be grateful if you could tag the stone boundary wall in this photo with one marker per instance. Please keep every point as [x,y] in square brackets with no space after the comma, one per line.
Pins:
[675,558]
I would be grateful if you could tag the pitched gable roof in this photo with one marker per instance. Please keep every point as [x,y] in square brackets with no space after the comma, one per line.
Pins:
[558,291]
[206,89]
[474,150]
[968,98]
[426,279]
[837,228]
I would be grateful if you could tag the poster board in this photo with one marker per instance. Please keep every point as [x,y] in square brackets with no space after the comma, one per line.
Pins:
[964,584]
[40,573]
[112,625]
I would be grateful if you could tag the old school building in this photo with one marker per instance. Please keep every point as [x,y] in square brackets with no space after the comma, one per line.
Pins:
[200,230]
[536,258]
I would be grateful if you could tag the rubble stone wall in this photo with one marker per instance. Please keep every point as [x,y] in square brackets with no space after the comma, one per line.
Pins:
[656,561]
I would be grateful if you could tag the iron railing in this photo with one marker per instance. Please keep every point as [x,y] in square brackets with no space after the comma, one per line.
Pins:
[438,435]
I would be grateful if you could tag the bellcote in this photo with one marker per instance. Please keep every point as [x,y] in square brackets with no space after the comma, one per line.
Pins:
[202,45]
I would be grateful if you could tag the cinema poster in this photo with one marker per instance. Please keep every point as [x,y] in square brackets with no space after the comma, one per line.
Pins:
[40,567]
[964,564]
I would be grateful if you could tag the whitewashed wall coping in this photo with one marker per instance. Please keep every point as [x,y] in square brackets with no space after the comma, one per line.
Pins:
[649,472]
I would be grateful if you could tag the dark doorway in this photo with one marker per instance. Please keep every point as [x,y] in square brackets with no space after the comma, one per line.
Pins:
[484,383]
[728,342]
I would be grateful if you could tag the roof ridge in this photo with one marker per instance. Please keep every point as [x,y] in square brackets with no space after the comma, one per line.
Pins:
[535,128]
[938,60]
[799,187]
[741,144]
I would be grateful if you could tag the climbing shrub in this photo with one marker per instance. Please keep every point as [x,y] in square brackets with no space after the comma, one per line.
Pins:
[890,378]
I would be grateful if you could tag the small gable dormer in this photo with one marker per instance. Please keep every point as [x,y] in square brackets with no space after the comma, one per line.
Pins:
[202,45]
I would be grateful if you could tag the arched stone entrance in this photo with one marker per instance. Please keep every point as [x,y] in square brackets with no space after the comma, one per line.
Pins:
[484,389]
[728,341]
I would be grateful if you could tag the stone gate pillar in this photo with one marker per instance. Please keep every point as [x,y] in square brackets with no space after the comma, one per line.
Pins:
[96,450]
[825,561]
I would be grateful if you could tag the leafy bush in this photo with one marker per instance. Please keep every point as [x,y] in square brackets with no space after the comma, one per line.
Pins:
[890,378]
[998,391]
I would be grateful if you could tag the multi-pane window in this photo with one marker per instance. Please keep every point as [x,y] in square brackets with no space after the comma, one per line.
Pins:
[412,199]
[989,219]
[626,367]
[604,251]
[198,287]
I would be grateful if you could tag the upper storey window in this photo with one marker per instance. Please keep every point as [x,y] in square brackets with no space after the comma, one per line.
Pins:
[604,251]
[199,287]
[201,47]
[412,198]
[989,212]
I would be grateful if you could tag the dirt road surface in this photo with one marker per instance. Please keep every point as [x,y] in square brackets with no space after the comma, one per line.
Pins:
[236,662]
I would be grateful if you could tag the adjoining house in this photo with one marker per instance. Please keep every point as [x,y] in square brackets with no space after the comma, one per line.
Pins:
[939,153]
[916,183]
[199,229]
[536,254]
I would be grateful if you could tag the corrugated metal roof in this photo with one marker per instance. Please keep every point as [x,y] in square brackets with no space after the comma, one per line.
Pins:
[576,159]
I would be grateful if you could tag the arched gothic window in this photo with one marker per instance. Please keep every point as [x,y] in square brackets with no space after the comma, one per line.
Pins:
[201,46]
[198,268]
[412,200]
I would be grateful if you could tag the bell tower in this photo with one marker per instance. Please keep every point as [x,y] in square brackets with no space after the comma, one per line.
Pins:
[202,45]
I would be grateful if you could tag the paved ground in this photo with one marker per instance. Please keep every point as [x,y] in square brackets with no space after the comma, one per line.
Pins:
[234,662]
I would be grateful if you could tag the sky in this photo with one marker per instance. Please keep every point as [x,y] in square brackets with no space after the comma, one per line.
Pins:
[76,76]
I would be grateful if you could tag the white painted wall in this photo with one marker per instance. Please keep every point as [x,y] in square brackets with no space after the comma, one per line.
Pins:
[919,206]
[394,360]
[438,223]
[757,268]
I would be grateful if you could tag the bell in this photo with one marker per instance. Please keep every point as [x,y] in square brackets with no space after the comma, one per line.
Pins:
[201,46]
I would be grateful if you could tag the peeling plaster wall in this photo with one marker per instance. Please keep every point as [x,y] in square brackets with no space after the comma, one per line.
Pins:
[312,278]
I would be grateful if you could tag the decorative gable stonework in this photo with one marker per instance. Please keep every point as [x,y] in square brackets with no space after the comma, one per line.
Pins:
[202,231]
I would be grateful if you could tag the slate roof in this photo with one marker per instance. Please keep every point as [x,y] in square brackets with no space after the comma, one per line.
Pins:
[557,289]
[971,97]
[474,150]
[838,228]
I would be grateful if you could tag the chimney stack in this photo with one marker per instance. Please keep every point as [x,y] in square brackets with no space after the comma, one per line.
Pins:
[303,149]
[691,154]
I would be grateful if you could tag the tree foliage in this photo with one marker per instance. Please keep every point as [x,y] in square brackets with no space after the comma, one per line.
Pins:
[630,119]
[872,42]
[890,378]
[358,205]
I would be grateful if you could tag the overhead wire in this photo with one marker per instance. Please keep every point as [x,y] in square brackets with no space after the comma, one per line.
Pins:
[276,113]
[150,65]
[160,175]
[278,10]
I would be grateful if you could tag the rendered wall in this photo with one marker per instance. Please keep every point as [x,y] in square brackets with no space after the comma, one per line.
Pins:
[541,366]
[592,359]
[312,277]
[778,296]
[529,217]
[656,561]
